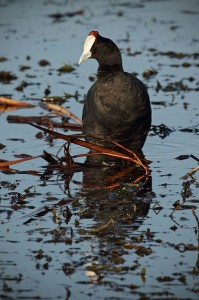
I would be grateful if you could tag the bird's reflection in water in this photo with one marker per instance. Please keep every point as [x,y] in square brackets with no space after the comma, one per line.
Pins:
[110,189]
[114,189]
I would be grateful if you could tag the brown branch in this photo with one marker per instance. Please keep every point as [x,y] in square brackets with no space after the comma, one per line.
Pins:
[12,102]
[65,112]
[193,170]
[44,121]
[99,149]
[4,164]
[132,153]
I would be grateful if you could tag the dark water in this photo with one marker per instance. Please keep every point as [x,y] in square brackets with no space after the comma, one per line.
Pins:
[53,244]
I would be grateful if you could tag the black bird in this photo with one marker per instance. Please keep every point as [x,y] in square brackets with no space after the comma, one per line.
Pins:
[117,106]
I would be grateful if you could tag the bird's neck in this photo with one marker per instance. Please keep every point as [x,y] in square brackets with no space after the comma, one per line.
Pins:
[104,69]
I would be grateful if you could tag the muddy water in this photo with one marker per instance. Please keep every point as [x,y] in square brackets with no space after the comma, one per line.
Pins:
[59,238]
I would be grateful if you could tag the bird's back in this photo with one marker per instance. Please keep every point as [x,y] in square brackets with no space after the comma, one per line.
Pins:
[117,107]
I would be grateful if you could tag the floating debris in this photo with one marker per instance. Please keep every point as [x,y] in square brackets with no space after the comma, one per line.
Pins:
[161,130]
[2,146]
[178,86]
[58,17]
[66,69]
[165,279]
[44,63]
[24,68]
[6,77]
[178,55]
[149,73]
[21,86]
[2,59]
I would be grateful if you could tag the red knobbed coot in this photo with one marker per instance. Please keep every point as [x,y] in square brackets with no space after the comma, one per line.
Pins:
[117,106]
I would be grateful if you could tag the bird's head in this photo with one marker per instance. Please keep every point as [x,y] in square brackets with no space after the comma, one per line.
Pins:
[104,50]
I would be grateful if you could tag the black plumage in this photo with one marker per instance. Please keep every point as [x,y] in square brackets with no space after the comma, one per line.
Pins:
[117,106]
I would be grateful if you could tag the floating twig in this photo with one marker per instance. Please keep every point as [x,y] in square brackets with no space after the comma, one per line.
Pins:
[12,102]
[4,164]
[65,112]
[193,170]
[44,121]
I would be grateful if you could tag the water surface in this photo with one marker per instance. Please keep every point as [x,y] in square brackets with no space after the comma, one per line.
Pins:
[48,247]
